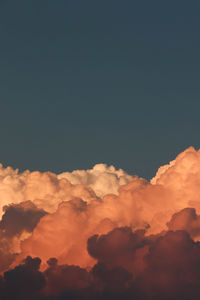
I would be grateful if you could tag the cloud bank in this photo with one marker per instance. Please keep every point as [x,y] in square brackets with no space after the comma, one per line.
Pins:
[101,233]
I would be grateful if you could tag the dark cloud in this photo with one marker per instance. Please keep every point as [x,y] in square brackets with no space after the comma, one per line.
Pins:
[64,277]
[172,268]
[17,218]
[118,247]
[20,217]
[24,281]
[114,279]
[130,265]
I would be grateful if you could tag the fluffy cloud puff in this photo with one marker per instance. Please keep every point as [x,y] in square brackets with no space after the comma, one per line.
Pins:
[47,189]
[101,178]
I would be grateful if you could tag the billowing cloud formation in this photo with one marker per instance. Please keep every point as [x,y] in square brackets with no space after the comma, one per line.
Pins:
[47,189]
[20,217]
[101,178]
[103,234]
[17,223]
[23,282]
[182,178]
[168,268]
[188,220]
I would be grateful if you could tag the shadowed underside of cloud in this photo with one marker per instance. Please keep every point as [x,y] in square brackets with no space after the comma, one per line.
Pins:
[101,233]
[169,269]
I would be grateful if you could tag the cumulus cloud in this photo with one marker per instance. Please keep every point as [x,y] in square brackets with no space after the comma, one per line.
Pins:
[110,232]
[47,189]
[23,282]
[182,177]
[172,268]
[169,269]
[187,220]
[64,277]
[101,178]
[118,248]
[20,217]
[17,223]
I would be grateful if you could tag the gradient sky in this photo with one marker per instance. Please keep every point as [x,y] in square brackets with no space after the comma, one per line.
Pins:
[85,82]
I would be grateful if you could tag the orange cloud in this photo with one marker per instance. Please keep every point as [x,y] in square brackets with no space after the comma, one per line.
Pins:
[104,222]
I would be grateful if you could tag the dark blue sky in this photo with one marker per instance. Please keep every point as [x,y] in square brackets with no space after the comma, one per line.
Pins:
[84,82]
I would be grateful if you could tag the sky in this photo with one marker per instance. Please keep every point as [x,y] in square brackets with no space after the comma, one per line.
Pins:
[86,82]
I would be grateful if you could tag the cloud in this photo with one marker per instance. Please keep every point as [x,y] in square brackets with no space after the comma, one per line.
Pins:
[68,228]
[186,220]
[17,223]
[24,282]
[170,264]
[170,270]
[64,277]
[182,178]
[76,213]
[102,233]
[101,178]
[119,248]
[20,217]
